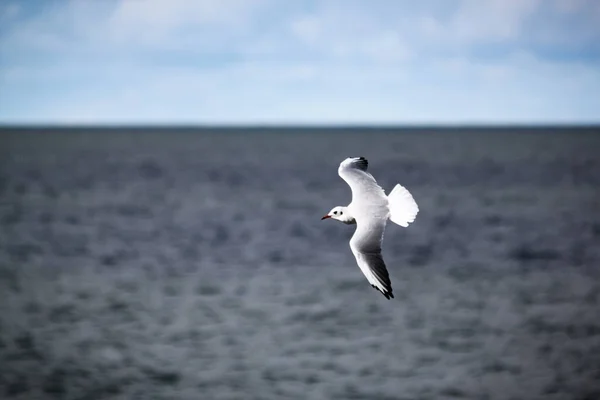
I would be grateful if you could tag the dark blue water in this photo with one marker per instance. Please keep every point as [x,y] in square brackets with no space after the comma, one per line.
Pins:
[193,264]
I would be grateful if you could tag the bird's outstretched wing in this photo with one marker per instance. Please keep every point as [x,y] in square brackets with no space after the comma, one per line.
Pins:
[364,187]
[366,247]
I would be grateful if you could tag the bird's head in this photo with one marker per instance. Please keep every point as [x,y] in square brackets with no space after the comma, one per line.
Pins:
[341,214]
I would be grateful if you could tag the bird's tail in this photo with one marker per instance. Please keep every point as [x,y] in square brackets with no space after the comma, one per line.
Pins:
[403,208]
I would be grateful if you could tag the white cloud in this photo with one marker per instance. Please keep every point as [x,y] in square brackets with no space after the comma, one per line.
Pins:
[159,14]
[158,22]
[307,29]
[348,34]
[86,27]
[477,21]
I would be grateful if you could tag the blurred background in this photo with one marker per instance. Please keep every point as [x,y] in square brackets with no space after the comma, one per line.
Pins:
[164,167]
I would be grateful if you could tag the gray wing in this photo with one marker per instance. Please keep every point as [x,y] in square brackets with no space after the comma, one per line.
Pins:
[366,247]
[364,187]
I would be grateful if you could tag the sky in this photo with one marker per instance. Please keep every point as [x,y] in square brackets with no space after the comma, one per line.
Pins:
[299,62]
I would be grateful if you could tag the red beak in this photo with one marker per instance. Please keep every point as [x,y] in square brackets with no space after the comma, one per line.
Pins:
[325,217]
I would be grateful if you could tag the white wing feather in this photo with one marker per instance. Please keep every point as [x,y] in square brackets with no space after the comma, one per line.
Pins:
[363,185]
[402,205]
[366,247]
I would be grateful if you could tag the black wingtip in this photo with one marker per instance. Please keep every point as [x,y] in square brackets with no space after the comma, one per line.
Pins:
[360,163]
[387,295]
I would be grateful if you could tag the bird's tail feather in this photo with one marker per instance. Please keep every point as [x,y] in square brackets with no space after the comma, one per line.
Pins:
[402,205]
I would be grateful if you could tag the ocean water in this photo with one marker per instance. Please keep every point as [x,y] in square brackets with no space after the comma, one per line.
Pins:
[193,264]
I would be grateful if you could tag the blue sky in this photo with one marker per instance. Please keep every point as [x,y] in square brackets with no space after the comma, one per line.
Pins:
[300,62]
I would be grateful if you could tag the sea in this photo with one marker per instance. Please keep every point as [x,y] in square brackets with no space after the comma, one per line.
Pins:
[192,263]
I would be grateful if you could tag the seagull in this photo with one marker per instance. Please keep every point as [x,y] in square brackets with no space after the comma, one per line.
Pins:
[370,209]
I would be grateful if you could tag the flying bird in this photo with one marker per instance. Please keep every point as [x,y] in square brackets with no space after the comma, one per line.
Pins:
[370,210]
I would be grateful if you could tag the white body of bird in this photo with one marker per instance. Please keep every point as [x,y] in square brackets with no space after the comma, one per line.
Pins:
[370,210]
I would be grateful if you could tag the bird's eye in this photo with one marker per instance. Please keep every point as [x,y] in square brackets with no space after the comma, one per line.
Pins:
[335,212]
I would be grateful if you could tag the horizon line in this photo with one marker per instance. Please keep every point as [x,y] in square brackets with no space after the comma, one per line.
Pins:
[282,125]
